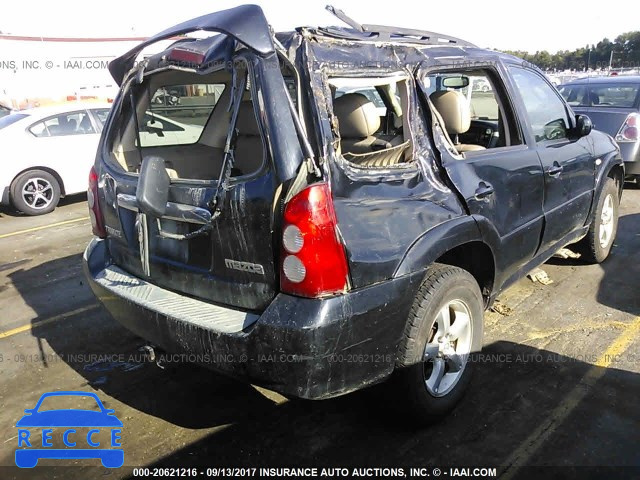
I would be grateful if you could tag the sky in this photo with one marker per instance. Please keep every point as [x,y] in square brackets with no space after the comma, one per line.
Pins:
[541,25]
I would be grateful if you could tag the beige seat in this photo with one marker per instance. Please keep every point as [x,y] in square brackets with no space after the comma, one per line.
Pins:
[358,121]
[456,115]
[249,150]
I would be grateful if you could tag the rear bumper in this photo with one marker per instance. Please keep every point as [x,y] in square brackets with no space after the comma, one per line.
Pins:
[630,152]
[308,348]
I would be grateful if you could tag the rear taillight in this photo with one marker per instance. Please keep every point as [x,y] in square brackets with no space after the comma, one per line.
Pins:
[97,222]
[313,261]
[629,130]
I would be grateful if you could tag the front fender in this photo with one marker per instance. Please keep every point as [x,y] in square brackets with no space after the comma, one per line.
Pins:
[436,242]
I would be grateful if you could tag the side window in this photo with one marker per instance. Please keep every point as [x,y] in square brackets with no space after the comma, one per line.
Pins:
[372,95]
[372,121]
[575,95]
[546,111]
[73,123]
[101,114]
[473,109]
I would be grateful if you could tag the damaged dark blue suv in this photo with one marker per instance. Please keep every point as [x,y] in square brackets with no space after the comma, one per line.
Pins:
[318,210]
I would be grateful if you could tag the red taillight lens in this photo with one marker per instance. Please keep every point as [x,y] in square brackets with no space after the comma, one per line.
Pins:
[629,130]
[313,259]
[97,222]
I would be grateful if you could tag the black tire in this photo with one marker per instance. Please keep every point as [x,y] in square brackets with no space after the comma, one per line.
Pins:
[442,285]
[591,247]
[32,204]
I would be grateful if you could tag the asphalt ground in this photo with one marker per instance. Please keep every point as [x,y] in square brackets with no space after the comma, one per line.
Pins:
[558,383]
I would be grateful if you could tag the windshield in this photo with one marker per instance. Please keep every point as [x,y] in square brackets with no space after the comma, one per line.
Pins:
[11,119]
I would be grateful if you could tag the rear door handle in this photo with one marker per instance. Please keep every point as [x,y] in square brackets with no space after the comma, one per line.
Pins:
[483,190]
[554,170]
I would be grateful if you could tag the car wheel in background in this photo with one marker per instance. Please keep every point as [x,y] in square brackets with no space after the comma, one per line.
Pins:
[35,192]
[444,328]
[596,246]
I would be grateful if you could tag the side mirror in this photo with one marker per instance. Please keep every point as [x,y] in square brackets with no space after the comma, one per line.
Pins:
[583,126]
[152,193]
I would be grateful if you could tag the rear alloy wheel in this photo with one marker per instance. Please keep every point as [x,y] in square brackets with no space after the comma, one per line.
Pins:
[35,192]
[447,351]
[443,330]
[596,245]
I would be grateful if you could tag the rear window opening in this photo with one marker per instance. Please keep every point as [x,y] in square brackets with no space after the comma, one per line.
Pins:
[183,117]
[601,95]
[372,120]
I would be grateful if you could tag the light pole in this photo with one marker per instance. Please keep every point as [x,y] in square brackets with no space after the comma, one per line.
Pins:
[610,61]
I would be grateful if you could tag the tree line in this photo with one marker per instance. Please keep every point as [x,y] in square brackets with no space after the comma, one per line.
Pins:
[625,48]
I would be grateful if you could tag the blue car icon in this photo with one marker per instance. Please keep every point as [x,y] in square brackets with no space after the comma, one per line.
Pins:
[68,420]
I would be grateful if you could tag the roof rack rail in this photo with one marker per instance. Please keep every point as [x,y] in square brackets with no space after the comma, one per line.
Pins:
[423,36]
[383,32]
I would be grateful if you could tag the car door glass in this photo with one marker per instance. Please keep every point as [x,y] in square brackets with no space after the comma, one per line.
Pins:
[74,123]
[546,111]
[101,114]
[575,95]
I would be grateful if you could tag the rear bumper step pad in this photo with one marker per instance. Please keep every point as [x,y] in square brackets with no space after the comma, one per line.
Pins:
[166,302]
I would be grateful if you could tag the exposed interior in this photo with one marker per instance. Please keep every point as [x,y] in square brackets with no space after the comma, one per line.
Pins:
[372,120]
[183,117]
[473,108]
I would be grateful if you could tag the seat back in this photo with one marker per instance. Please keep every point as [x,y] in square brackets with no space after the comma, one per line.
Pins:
[358,120]
[453,109]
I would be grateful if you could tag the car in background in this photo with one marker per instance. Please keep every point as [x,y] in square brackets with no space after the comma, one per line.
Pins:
[481,85]
[48,151]
[613,104]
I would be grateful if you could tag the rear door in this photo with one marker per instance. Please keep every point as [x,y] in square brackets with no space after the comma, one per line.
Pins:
[569,164]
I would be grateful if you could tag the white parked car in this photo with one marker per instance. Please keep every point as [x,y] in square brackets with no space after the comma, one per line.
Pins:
[48,151]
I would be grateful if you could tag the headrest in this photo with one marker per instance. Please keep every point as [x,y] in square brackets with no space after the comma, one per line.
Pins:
[357,115]
[454,110]
[247,123]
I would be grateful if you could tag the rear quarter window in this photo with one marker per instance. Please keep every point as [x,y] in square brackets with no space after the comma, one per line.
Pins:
[613,95]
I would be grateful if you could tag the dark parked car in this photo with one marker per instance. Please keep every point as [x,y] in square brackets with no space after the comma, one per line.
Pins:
[311,246]
[613,104]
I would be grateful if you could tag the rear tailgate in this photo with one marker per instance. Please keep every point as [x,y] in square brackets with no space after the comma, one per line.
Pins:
[231,264]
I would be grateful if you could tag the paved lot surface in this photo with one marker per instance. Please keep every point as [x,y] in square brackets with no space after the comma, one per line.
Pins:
[558,384]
